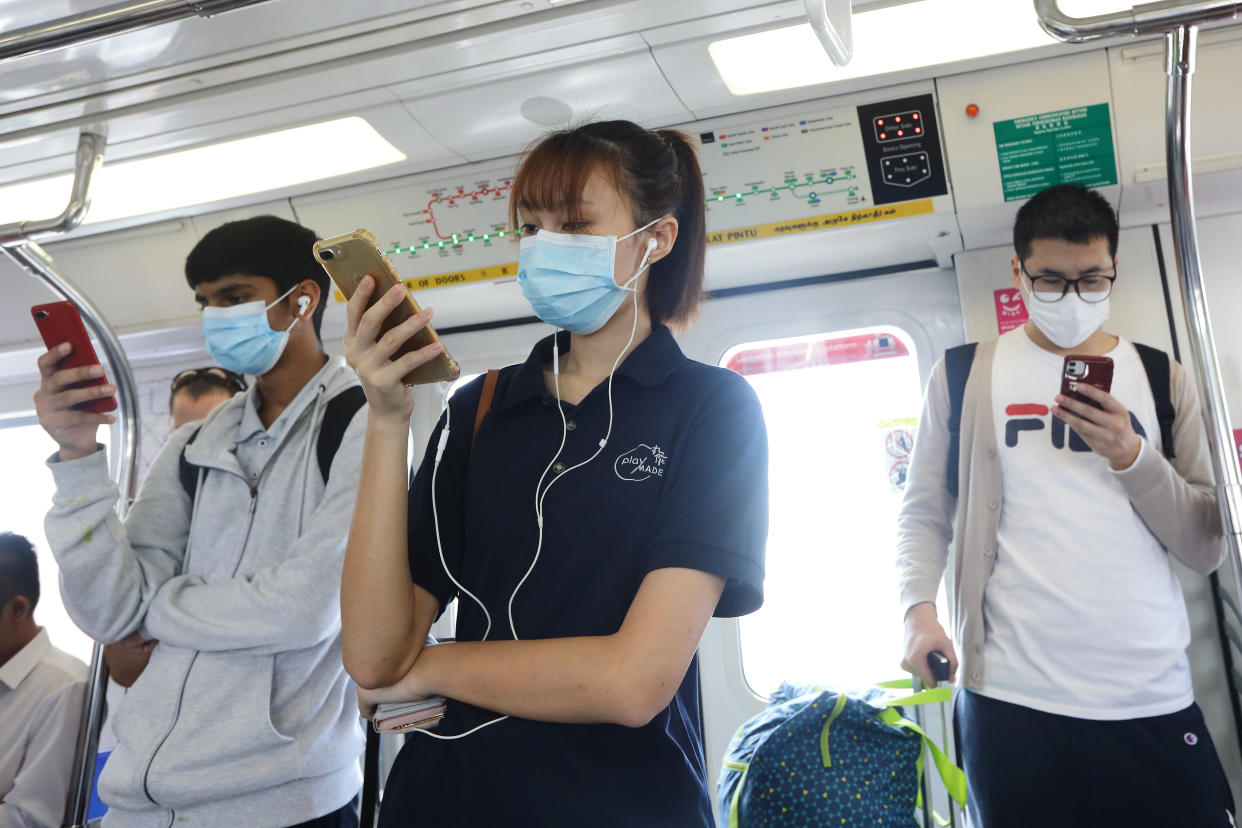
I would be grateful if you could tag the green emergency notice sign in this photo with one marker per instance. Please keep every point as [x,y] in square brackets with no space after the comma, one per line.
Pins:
[1065,146]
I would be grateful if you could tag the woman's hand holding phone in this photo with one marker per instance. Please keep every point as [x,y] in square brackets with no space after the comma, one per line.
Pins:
[73,429]
[1107,429]
[389,398]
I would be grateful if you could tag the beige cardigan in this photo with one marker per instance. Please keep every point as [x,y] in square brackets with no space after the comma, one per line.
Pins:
[1176,500]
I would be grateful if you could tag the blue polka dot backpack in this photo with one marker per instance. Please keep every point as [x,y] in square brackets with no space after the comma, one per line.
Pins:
[818,757]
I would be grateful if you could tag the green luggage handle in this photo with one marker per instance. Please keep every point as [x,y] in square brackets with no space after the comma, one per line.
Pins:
[951,775]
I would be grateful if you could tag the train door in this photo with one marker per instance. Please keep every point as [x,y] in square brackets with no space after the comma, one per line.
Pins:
[839,368]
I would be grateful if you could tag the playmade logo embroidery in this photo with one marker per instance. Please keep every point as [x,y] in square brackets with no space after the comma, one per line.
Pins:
[641,462]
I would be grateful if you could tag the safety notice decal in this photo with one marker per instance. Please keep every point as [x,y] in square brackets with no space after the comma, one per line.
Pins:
[850,217]
[1066,146]
[1010,309]
[898,435]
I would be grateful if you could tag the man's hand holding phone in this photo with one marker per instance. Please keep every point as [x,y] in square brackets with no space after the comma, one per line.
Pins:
[73,429]
[1107,429]
[380,375]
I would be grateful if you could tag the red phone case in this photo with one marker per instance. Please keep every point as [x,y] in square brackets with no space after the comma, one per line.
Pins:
[59,322]
[1090,370]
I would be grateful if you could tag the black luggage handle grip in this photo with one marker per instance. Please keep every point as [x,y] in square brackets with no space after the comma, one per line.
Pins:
[939,665]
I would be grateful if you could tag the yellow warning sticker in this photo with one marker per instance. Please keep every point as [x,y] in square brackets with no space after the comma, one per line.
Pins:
[851,217]
[459,277]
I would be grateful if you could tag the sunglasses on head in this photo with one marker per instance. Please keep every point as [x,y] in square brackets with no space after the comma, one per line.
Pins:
[212,374]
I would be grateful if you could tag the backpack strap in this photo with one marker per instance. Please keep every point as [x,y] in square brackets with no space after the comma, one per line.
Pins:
[1156,365]
[337,415]
[186,471]
[957,362]
[485,401]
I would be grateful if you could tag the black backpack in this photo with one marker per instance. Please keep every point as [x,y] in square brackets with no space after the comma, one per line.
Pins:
[337,415]
[957,363]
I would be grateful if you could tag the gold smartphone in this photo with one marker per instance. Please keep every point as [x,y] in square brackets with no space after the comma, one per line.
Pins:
[348,259]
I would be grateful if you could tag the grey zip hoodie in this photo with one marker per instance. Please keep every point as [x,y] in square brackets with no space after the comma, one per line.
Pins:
[244,715]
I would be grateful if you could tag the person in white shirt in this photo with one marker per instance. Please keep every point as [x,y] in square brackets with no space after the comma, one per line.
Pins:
[1076,707]
[41,691]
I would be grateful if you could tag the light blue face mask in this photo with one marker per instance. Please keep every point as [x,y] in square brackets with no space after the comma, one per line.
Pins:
[241,340]
[568,279]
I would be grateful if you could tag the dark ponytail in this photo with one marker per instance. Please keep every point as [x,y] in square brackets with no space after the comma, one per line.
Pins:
[675,286]
[657,173]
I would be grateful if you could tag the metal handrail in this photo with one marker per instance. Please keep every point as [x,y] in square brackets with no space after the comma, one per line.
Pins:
[35,260]
[17,242]
[1178,21]
[1145,19]
[87,162]
[105,22]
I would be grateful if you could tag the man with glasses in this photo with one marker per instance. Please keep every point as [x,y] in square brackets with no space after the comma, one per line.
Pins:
[1069,619]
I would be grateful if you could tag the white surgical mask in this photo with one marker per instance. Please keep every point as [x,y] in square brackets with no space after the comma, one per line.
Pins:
[1067,322]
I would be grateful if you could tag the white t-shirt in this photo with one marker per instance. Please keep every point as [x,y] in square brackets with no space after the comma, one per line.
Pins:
[1083,613]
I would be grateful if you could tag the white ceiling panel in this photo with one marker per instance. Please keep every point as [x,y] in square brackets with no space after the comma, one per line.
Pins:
[608,85]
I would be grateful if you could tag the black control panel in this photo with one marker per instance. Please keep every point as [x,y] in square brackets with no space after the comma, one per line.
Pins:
[902,144]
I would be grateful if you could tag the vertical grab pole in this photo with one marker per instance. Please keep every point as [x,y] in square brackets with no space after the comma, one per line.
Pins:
[1180,52]
[32,258]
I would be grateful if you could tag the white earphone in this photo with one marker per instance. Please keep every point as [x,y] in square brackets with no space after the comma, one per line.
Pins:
[303,304]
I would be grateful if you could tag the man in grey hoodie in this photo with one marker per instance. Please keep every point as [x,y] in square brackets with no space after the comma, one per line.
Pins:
[230,558]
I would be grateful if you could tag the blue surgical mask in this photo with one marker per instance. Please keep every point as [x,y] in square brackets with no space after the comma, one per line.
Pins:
[240,338]
[568,279]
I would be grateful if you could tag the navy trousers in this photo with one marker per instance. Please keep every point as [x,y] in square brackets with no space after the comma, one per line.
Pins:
[344,817]
[1028,768]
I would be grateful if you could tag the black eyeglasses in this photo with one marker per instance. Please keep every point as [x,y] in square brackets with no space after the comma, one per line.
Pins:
[212,374]
[1093,288]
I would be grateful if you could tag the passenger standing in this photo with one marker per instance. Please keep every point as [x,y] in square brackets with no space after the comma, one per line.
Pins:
[41,691]
[192,395]
[1070,620]
[615,499]
[230,558]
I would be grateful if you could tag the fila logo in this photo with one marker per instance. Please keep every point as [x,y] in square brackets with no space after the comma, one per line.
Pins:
[1030,417]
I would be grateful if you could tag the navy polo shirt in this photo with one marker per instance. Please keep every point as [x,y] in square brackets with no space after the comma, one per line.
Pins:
[682,482]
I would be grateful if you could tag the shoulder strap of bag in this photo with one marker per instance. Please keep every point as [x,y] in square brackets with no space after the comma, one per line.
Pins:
[186,471]
[337,415]
[1156,365]
[957,362]
[485,401]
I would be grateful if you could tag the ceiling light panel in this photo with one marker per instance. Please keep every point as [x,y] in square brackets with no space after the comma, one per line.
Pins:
[212,173]
[888,39]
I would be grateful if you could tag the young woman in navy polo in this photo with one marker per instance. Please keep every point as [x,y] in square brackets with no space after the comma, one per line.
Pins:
[613,501]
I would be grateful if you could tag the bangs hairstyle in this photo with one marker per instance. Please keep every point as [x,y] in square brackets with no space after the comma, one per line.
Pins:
[1067,212]
[655,171]
[266,246]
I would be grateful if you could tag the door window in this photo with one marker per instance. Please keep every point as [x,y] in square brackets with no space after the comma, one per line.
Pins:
[25,446]
[841,410]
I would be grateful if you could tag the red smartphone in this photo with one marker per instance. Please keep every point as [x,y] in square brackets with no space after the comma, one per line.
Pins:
[1088,370]
[59,322]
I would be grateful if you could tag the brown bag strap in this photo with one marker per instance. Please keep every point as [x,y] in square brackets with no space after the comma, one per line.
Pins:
[485,401]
